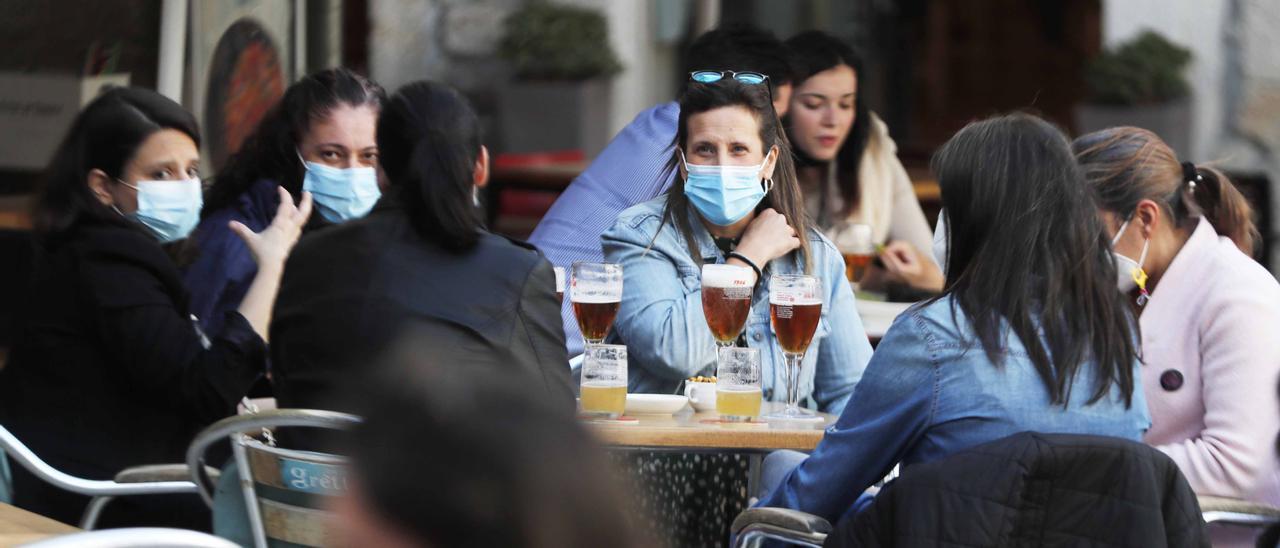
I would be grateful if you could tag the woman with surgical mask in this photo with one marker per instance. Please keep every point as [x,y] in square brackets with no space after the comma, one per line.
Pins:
[318,138]
[1182,237]
[735,201]
[108,370]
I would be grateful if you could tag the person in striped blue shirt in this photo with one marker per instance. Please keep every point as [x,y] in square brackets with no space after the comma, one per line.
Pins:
[630,170]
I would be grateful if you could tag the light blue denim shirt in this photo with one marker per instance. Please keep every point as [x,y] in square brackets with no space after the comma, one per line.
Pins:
[666,333]
[931,391]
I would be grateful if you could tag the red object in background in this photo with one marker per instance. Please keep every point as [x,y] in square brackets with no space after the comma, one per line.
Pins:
[538,159]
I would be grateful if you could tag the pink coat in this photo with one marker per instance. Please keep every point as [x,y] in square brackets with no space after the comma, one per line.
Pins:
[1214,319]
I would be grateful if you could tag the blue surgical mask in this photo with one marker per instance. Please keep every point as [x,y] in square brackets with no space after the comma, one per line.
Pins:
[170,209]
[341,194]
[724,194]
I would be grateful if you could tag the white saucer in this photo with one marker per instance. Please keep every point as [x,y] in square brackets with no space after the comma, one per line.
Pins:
[654,404]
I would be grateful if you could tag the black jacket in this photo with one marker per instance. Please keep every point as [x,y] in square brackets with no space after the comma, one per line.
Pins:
[108,370]
[350,291]
[1034,490]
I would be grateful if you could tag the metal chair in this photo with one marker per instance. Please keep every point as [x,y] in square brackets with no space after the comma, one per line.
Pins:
[139,480]
[139,537]
[1238,512]
[285,490]
[757,524]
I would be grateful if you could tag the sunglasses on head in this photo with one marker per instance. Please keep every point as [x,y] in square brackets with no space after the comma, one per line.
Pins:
[713,76]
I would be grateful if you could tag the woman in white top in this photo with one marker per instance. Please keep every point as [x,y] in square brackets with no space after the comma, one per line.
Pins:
[847,164]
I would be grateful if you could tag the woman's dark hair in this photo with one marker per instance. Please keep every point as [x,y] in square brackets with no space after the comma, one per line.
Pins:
[785,195]
[429,139]
[816,51]
[741,47]
[473,456]
[105,135]
[1027,247]
[271,151]
[1125,165]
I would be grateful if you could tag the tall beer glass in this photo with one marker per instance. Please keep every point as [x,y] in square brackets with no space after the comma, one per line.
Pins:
[604,380]
[726,300]
[795,306]
[857,247]
[596,292]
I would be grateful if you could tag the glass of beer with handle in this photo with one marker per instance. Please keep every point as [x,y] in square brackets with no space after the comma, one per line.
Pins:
[604,380]
[726,300]
[795,306]
[738,393]
[595,290]
[857,247]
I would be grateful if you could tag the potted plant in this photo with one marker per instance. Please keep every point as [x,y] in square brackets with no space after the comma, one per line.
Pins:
[559,99]
[1140,83]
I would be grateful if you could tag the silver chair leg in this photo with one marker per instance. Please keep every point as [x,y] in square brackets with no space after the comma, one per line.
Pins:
[93,512]
[755,534]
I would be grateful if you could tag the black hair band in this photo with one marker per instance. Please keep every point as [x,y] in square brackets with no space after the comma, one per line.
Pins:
[1189,173]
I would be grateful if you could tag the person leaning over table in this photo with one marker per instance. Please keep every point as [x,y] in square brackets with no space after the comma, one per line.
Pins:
[1028,334]
[109,370]
[632,168]
[1209,312]
[735,201]
[847,163]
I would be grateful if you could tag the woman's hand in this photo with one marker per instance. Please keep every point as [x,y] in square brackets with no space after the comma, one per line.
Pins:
[904,262]
[768,237]
[271,247]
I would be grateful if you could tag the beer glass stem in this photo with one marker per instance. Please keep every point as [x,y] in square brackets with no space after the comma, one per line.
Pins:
[792,362]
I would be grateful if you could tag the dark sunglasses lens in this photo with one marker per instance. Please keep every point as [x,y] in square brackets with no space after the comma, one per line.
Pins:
[706,76]
[749,77]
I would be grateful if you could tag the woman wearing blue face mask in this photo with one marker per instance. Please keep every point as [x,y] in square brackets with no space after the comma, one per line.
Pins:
[736,201]
[319,138]
[109,371]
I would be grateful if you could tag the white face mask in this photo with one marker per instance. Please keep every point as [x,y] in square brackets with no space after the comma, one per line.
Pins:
[940,242]
[1129,271]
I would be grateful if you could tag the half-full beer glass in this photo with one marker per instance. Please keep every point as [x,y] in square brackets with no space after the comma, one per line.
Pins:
[738,393]
[726,299]
[857,247]
[604,380]
[795,306]
[596,292]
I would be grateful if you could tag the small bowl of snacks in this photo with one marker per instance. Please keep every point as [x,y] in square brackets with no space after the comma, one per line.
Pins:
[701,392]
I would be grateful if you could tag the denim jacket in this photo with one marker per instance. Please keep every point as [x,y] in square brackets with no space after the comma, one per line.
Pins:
[662,323]
[931,391]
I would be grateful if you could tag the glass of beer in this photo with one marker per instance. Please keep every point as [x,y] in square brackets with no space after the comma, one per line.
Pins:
[604,380]
[856,245]
[596,292]
[726,299]
[795,306]
[738,393]
[559,270]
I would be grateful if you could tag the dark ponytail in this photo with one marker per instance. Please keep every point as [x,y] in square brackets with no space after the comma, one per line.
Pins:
[1125,165]
[429,139]
[1226,208]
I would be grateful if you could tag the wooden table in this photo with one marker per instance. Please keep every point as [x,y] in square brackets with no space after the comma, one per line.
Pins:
[18,526]
[686,431]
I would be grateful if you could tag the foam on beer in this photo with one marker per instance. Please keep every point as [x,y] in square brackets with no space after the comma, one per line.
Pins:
[595,299]
[726,276]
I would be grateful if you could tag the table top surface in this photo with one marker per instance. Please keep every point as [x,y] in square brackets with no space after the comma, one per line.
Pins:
[687,430]
[18,526]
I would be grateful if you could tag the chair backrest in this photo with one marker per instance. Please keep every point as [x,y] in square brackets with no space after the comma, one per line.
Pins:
[287,492]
